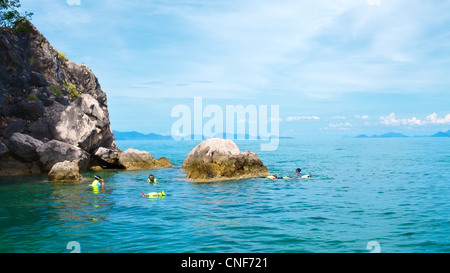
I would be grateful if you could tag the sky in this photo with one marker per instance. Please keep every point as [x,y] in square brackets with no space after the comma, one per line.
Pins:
[334,67]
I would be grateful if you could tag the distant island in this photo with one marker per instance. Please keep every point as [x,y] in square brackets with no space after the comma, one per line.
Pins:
[398,135]
[139,136]
[133,135]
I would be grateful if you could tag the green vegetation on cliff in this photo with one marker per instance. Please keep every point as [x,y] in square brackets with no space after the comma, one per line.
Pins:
[10,16]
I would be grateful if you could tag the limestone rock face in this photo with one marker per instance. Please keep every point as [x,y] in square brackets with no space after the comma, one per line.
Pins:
[54,110]
[45,97]
[84,124]
[220,159]
[65,171]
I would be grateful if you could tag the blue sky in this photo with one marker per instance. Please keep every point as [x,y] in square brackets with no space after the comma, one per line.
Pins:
[335,67]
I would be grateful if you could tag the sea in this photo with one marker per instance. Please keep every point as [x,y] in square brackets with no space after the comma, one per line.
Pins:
[388,195]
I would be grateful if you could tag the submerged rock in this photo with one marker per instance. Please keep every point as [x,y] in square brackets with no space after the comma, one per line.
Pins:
[220,159]
[65,171]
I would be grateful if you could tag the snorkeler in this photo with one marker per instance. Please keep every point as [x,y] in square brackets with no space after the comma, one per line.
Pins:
[98,182]
[154,194]
[152,179]
[297,172]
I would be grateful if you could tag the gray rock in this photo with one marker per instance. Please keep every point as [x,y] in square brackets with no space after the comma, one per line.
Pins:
[86,82]
[40,129]
[133,159]
[30,65]
[3,149]
[108,158]
[83,123]
[38,79]
[24,146]
[55,151]
[220,159]
[19,126]
[10,166]
[3,102]
[28,110]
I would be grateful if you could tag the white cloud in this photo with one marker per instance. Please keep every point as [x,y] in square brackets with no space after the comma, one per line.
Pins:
[434,119]
[392,120]
[364,117]
[339,117]
[298,118]
[340,125]
[374,2]
[317,49]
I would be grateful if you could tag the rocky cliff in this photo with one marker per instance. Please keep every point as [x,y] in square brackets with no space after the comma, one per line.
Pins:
[51,109]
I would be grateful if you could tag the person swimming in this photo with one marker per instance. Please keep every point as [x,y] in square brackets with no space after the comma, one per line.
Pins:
[297,172]
[154,194]
[152,179]
[275,177]
[98,182]
[296,175]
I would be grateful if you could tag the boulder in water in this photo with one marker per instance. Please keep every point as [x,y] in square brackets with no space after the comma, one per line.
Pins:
[220,159]
[65,171]
[131,159]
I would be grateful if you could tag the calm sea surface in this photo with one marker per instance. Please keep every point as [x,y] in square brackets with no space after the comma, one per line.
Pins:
[392,191]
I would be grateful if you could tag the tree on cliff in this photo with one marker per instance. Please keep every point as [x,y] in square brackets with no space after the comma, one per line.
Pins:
[10,16]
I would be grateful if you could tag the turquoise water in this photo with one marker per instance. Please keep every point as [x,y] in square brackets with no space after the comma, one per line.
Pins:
[392,191]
